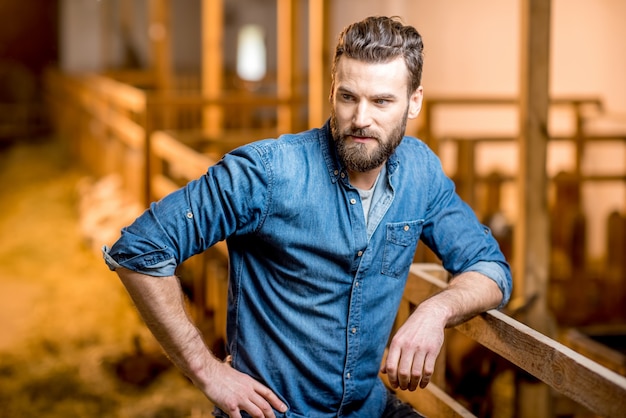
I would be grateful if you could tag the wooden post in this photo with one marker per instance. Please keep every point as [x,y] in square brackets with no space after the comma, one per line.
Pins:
[106,31]
[287,65]
[465,177]
[160,36]
[532,249]
[319,63]
[212,63]
[426,128]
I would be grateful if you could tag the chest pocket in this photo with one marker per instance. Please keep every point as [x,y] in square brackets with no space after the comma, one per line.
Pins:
[399,248]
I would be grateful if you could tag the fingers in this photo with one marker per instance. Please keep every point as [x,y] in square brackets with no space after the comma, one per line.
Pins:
[408,369]
[260,403]
[270,399]
[240,392]
[422,372]
[429,369]
[255,405]
[390,367]
[251,396]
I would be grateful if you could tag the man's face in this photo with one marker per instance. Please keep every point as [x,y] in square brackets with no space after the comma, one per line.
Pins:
[370,108]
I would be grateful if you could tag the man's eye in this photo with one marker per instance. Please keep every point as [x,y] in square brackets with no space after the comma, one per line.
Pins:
[347,97]
[381,101]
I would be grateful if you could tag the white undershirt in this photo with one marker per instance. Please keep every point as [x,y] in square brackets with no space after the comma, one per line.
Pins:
[367,196]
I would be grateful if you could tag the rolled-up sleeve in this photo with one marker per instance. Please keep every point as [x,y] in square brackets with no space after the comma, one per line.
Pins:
[498,274]
[230,198]
[455,234]
[147,245]
[157,263]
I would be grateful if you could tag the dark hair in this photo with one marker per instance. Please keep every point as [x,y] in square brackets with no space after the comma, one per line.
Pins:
[379,39]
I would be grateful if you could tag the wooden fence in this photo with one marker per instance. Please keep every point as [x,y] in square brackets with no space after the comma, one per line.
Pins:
[571,374]
[109,123]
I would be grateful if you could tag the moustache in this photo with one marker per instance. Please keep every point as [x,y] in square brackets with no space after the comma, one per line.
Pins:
[366,133]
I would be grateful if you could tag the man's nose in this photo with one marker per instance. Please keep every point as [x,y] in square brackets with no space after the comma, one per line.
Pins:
[361,117]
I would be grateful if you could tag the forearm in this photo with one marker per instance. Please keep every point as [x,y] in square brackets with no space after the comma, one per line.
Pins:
[415,347]
[467,295]
[160,303]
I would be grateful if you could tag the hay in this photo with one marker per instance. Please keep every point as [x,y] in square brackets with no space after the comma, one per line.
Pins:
[67,322]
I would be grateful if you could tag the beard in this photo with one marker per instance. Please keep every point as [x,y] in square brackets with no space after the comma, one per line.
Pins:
[356,156]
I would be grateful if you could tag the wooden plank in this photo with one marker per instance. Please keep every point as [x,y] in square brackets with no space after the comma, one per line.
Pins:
[190,164]
[161,186]
[570,373]
[598,352]
[510,101]
[287,56]
[127,97]
[431,401]
[160,35]
[130,133]
[465,176]
[121,95]
[319,68]
[531,247]
[488,137]
[212,61]
[565,370]
[220,99]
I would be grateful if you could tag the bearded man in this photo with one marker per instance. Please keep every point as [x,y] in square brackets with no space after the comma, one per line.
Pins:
[321,227]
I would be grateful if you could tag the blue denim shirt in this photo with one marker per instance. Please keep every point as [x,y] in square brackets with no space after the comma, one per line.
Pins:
[313,296]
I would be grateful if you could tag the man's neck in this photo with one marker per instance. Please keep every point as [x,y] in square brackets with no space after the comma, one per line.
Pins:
[364,180]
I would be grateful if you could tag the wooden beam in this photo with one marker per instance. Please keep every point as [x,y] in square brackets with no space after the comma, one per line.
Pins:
[287,57]
[189,163]
[431,401]
[531,250]
[160,36]
[107,13]
[594,386]
[319,63]
[212,62]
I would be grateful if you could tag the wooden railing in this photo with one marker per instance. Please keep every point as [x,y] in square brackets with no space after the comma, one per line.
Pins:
[586,382]
[105,123]
[579,106]
[110,122]
[578,111]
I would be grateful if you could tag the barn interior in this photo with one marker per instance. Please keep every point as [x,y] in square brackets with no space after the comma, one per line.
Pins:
[108,105]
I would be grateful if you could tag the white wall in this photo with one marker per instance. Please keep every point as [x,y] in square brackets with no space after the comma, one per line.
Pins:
[589,50]
[80,36]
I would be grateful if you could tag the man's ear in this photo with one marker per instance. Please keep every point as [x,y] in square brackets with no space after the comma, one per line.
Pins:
[415,103]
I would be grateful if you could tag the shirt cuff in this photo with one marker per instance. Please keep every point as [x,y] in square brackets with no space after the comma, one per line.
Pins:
[110,261]
[156,263]
[496,273]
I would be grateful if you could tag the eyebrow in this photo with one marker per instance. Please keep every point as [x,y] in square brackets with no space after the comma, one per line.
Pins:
[377,96]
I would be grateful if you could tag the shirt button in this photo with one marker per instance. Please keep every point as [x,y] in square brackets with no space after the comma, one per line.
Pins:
[360,253]
[189,215]
[336,172]
[348,375]
[406,227]
[353,330]
[352,201]
[343,175]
